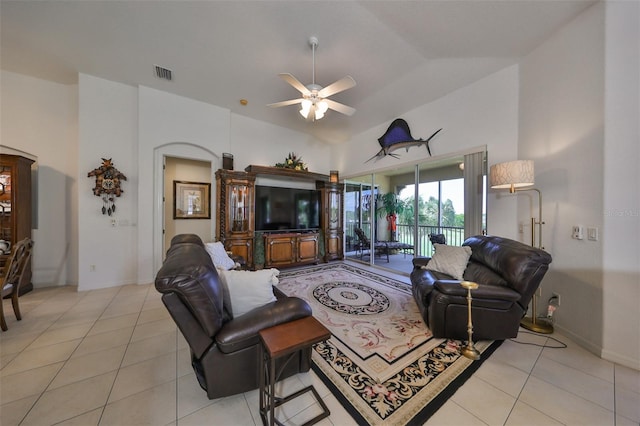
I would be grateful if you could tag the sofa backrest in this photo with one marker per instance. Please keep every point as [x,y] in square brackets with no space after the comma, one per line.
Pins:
[189,272]
[507,262]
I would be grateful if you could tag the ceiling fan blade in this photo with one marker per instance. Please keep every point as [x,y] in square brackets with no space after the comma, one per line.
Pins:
[341,108]
[285,103]
[295,83]
[343,84]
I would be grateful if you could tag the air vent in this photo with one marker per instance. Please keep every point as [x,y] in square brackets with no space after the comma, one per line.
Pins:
[163,73]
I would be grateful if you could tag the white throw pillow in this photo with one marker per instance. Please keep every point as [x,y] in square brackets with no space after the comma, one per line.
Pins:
[450,260]
[250,289]
[219,256]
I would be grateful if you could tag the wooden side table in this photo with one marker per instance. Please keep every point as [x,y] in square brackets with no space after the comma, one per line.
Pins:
[279,341]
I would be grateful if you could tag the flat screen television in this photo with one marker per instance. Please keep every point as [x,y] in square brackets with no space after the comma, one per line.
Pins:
[286,209]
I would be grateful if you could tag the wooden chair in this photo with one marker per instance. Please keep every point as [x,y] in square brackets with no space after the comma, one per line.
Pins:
[437,239]
[14,277]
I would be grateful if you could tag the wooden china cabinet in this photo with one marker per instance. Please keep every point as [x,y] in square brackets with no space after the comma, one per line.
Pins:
[331,219]
[15,206]
[235,212]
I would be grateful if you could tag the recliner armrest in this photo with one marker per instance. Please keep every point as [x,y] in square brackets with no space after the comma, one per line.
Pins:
[420,261]
[242,332]
[484,291]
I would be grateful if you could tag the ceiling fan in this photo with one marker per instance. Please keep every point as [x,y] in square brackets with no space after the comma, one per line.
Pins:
[314,98]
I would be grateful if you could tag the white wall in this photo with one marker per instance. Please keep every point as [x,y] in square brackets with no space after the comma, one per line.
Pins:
[562,130]
[107,128]
[621,228]
[484,113]
[256,142]
[179,127]
[40,118]
[579,122]
[70,128]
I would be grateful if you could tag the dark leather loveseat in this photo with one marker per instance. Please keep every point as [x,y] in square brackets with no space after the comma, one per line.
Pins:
[225,351]
[508,273]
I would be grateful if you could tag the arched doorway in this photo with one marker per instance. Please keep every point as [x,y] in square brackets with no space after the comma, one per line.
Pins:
[180,150]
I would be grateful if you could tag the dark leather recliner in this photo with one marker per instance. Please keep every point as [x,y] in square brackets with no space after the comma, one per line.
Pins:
[508,274]
[225,351]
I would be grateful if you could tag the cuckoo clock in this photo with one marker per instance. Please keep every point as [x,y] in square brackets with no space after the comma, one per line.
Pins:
[108,180]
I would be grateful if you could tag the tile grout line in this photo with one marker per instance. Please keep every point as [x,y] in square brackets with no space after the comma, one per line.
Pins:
[582,372]
[37,337]
[525,384]
[530,374]
[177,364]
[63,365]
[123,354]
[615,417]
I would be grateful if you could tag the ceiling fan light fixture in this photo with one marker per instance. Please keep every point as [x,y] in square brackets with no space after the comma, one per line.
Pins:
[306,108]
[322,106]
[314,98]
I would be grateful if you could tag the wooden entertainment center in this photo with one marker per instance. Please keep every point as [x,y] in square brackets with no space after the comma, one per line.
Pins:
[235,215]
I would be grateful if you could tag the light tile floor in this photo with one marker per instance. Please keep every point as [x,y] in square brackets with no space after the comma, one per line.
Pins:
[114,357]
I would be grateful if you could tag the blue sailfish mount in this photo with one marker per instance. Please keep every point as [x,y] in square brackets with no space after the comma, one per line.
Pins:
[399,136]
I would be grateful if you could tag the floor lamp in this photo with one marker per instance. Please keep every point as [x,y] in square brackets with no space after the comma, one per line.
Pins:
[518,176]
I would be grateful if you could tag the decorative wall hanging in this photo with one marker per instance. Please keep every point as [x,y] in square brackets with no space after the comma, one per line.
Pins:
[107,185]
[191,200]
[399,136]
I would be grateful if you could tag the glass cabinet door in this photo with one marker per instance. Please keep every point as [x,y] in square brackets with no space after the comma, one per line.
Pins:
[240,207]
[5,209]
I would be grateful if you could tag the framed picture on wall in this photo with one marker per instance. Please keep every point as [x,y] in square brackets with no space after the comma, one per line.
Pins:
[191,200]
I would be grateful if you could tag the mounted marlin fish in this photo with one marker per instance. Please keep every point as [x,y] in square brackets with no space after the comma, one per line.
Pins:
[399,136]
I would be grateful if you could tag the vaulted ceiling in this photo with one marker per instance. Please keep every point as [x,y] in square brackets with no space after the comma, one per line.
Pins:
[402,54]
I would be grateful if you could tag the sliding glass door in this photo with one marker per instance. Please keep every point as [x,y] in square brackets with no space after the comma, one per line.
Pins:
[358,207]
[393,215]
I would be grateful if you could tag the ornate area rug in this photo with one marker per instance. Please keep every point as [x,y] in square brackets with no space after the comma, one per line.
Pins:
[382,362]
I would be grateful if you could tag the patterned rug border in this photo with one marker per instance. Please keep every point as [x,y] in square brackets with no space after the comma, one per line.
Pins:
[430,408]
[418,414]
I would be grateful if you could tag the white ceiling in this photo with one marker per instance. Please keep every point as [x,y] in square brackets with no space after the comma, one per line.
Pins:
[402,54]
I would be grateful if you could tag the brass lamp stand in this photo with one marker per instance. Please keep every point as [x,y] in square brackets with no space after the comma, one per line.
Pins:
[518,176]
[534,323]
[470,350]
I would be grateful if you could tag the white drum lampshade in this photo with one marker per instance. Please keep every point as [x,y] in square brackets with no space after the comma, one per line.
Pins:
[511,175]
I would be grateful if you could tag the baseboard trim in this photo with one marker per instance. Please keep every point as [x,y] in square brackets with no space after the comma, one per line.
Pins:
[599,351]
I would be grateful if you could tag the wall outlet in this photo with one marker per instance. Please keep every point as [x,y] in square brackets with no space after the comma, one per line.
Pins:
[92,268]
[557,296]
[577,232]
[114,222]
